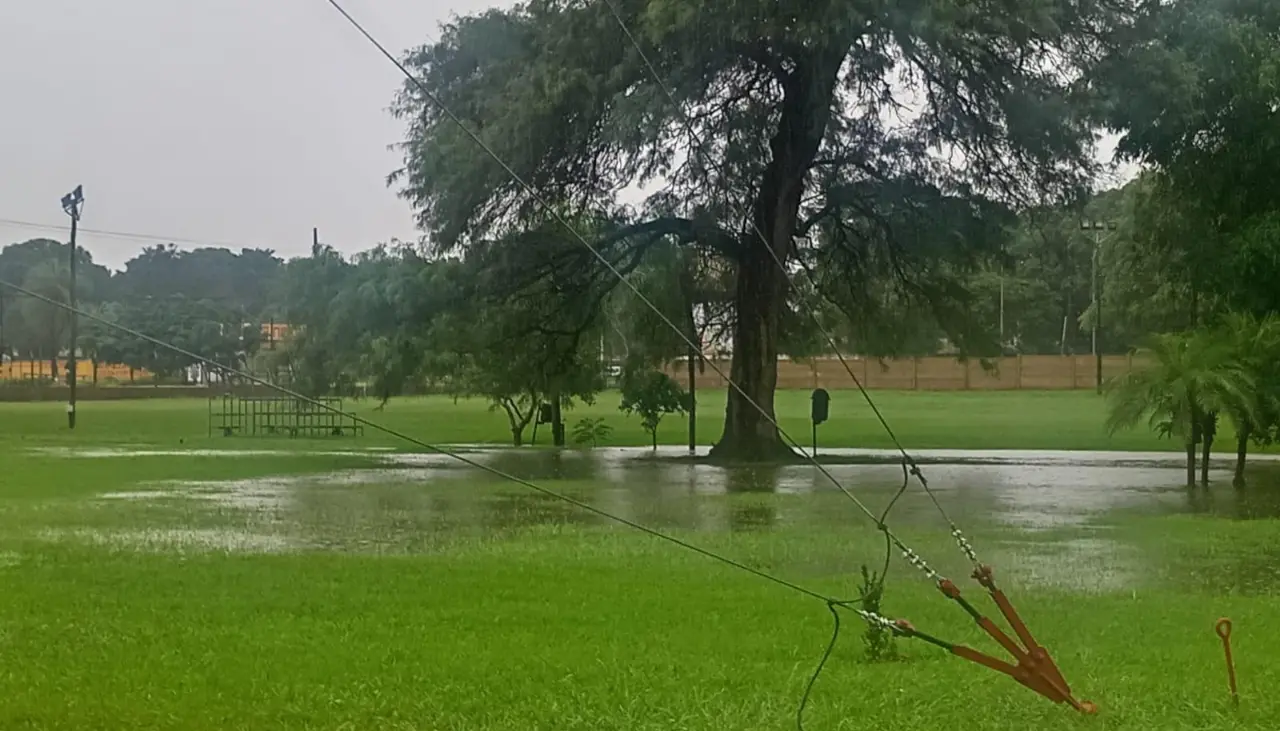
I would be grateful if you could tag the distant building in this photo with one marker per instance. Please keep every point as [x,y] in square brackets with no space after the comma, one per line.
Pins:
[273,333]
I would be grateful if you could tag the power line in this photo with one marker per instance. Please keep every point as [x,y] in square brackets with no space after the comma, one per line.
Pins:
[130,235]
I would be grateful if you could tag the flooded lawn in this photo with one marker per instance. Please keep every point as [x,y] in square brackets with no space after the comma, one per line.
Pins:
[1045,512]
[374,589]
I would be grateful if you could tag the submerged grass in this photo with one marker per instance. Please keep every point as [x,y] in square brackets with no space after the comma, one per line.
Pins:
[432,607]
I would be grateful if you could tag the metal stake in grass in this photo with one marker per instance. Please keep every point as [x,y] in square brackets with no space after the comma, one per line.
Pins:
[1223,629]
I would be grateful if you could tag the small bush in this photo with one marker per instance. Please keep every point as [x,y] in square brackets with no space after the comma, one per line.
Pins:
[879,641]
[652,396]
[591,432]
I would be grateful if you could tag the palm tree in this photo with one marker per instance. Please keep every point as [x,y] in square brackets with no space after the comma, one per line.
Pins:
[1187,380]
[1256,344]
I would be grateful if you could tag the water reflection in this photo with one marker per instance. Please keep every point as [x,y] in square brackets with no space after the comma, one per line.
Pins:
[752,516]
[755,479]
[421,502]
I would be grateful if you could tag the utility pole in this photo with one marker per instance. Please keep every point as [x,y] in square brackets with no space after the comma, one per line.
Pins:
[73,205]
[1002,310]
[1097,227]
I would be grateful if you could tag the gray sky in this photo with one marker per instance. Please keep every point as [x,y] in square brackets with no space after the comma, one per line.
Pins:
[245,122]
[236,122]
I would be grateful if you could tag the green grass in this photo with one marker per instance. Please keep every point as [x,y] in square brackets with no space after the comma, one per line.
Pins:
[922,420]
[411,619]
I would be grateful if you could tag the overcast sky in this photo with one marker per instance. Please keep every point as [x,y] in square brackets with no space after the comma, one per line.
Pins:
[245,122]
[236,122]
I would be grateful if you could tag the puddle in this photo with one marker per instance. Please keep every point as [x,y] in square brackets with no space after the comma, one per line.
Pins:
[269,493]
[1094,565]
[417,502]
[125,452]
[177,540]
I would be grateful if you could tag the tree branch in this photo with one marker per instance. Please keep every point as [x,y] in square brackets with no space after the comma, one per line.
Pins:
[686,231]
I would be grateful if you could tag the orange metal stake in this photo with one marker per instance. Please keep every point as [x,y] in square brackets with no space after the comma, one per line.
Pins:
[1223,628]
[1032,667]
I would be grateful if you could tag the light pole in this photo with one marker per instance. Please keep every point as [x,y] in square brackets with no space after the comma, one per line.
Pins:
[1097,227]
[72,205]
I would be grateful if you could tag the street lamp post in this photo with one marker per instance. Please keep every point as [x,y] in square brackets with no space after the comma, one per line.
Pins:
[72,205]
[1097,227]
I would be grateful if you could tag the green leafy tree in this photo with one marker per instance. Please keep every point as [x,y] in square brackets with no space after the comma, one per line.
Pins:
[43,326]
[689,290]
[1255,342]
[33,329]
[244,281]
[799,103]
[517,373]
[201,327]
[1185,381]
[651,396]
[1195,101]
[316,302]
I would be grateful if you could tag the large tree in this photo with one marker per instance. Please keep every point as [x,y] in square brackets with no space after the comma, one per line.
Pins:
[888,135]
[28,327]
[1197,99]
[245,281]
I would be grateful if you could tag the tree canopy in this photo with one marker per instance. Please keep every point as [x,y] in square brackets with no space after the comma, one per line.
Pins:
[883,144]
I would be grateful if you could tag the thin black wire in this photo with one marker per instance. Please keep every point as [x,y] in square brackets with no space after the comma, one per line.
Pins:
[908,461]
[418,442]
[159,238]
[434,99]
[878,585]
[822,664]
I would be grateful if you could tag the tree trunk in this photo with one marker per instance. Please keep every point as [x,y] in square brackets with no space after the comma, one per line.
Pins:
[688,287]
[761,284]
[1242,453]
[693,401]
[557,423]
[1207,434]
[1191,463]
[517,420]
[95,370]
[1204,461]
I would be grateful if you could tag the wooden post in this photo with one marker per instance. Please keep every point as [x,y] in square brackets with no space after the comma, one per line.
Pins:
[967,365]
[915,373]
[1075,383]
[1017,381]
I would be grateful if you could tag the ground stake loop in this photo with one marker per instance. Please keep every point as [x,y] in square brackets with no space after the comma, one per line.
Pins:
[1223,629]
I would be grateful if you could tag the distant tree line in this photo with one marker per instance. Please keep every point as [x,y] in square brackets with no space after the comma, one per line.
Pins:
[208,301]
